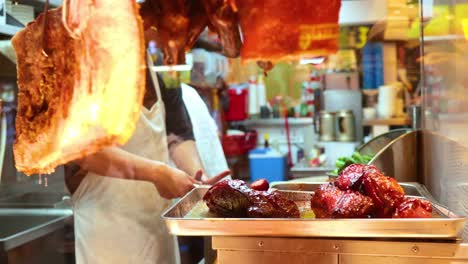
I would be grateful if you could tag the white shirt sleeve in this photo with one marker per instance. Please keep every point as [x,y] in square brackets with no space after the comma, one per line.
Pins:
[206,133]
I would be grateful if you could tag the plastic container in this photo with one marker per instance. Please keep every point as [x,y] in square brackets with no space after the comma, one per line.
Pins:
[237,104]
[267,164]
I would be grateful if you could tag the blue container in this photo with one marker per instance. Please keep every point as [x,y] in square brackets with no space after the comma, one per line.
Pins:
[267,164]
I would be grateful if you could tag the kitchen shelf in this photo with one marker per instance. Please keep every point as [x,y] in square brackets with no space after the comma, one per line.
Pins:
[453,117]
[280,121]
[397,121]
[443,38]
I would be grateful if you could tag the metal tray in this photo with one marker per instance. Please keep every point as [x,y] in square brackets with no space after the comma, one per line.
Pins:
[190,217]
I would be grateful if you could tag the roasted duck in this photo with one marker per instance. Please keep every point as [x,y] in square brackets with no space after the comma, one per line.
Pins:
[81,82]
[178,24]
[233,198]
[224,19]
[362,191]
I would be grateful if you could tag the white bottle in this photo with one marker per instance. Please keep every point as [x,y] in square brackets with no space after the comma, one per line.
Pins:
[254,109]
[261,92]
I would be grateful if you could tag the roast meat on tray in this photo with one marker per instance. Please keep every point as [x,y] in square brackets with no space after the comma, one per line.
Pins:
[362,191]
[233,198]
[331,202]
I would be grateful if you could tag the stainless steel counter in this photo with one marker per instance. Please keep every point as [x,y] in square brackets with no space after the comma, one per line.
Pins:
[28,216]
[249,250]
[302,170]
[20,226]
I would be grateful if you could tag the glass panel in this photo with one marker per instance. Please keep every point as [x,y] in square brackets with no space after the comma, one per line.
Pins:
[445,107]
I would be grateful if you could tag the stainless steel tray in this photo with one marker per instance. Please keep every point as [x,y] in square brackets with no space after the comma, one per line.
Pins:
[190,217]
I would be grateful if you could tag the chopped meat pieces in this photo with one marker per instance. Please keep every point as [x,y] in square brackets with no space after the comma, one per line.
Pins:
[351,176]
[413,208]
[384,191]
[331,202]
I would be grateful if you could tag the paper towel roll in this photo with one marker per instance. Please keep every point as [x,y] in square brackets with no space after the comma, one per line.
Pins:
[386,107]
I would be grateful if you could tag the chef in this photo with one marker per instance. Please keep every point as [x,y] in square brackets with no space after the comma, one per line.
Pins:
[120,193]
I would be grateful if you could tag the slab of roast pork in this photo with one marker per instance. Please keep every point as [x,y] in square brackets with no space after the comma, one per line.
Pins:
[86,91]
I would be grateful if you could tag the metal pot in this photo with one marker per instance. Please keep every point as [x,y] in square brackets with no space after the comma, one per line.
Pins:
[327,126]
[345,126]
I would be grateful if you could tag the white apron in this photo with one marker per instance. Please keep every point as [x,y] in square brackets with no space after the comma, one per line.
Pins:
[119,221]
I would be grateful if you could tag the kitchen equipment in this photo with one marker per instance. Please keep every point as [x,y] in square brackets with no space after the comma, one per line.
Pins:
[342,81]
[190,217]
[386,107]
[336,100]
[345,126]
[415,115]
[400,158]
[20,226]
[327,126]
[234,145]
[266,163]
[302,169]
[378,143]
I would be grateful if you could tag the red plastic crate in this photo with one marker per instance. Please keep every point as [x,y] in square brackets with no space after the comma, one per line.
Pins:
[234,145]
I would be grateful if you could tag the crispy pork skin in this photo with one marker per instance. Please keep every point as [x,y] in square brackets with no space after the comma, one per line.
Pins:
[86,92]
[288,30]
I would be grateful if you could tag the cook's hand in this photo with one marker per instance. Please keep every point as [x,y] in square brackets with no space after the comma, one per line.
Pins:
[201,177]
[174,183]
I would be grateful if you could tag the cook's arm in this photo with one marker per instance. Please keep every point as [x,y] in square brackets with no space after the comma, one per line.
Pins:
[117,163]
[186,157]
